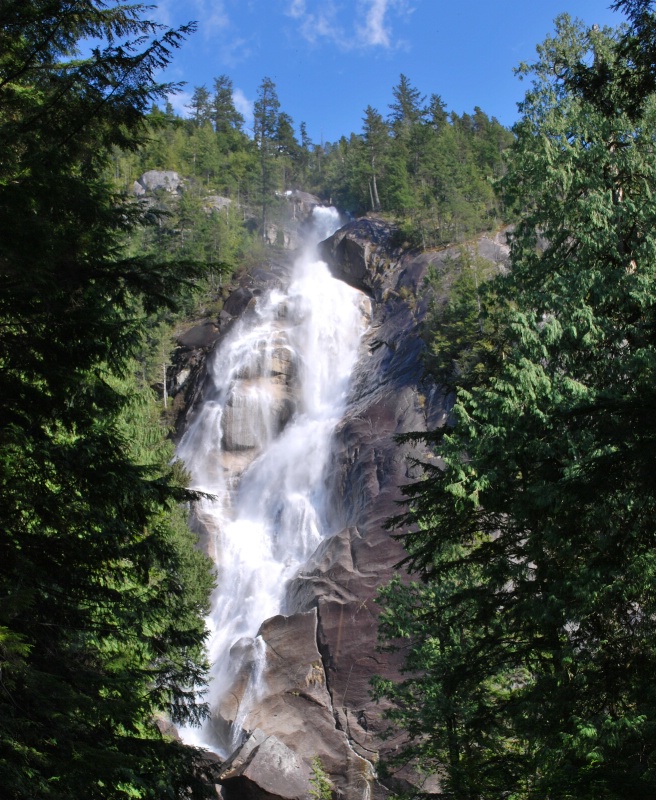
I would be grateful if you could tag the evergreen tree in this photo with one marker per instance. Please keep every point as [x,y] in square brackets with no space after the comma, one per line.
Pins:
[438,115]
[304,153]
[536,534]
[265,121]
[407,110]
[199,105]
[224,115]
[101,625]
[375,134]
[287,147]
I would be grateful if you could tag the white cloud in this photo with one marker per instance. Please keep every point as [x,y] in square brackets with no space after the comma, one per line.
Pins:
[296,9]
[321,26]
[374,32]
[319,20]
[211,16]
[320,23]
[244,106]
[163,12]
[233,51]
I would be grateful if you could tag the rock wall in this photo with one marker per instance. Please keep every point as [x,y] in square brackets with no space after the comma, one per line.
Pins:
[323,652]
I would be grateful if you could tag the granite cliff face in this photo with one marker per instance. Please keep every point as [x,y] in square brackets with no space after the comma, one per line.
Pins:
[316,659]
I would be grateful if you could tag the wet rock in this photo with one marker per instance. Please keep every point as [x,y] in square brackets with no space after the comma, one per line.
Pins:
[201,336]
[238,301]
[303,203]
[367,469]
[364,254]
[296,708]
[361,254]
[255,412]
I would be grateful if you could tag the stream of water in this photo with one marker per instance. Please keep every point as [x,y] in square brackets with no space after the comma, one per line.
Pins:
[260,444]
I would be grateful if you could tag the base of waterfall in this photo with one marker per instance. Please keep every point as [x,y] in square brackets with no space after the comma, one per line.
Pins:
[293,723]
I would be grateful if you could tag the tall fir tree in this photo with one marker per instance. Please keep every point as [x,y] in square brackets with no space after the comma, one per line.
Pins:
[265,126]
[103,594]
[375,134]
[224,115]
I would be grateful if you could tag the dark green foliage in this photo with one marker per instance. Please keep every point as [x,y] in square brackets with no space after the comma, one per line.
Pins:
[460,329]
[407,108]
[102,592]
[265,128]
[435,174]
[199,106]
[225,116]
[320,784]
[535,537]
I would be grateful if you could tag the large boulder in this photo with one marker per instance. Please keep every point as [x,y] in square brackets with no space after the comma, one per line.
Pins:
[303,203]
[157,180]
[263,768]
[294,706]
[200,336]
[255,412]
[362,254]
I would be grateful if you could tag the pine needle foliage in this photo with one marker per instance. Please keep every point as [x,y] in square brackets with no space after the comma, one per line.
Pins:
[102,594]
[532,642]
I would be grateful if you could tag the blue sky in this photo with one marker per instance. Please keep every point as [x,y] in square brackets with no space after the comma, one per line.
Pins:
[331,58]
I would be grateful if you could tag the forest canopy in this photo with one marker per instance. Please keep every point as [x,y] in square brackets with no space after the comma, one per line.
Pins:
[434,172]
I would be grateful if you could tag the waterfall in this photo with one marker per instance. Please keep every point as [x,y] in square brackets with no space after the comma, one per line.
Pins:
[260,444]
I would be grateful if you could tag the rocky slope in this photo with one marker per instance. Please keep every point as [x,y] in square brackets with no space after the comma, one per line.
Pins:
[322,653]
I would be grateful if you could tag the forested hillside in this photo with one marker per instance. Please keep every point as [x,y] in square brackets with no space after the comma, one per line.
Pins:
[433,171]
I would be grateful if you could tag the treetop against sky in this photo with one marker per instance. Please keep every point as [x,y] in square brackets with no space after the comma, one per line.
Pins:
[330,59]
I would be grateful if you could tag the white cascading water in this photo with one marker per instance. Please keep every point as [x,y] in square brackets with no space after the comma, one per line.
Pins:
[260,444]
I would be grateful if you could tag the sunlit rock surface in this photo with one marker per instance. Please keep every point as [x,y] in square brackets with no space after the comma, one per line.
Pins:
[157,180]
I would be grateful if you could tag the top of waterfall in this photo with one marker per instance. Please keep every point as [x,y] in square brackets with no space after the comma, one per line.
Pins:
[325,221]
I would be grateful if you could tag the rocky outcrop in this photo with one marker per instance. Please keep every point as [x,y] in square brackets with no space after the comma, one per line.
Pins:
[293,718]
[262,768]
[362,254]
[187,375]
[288,233]
[303,203]
[260,402]
[389,397]
[321,655]
[215,202]
[157,180]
